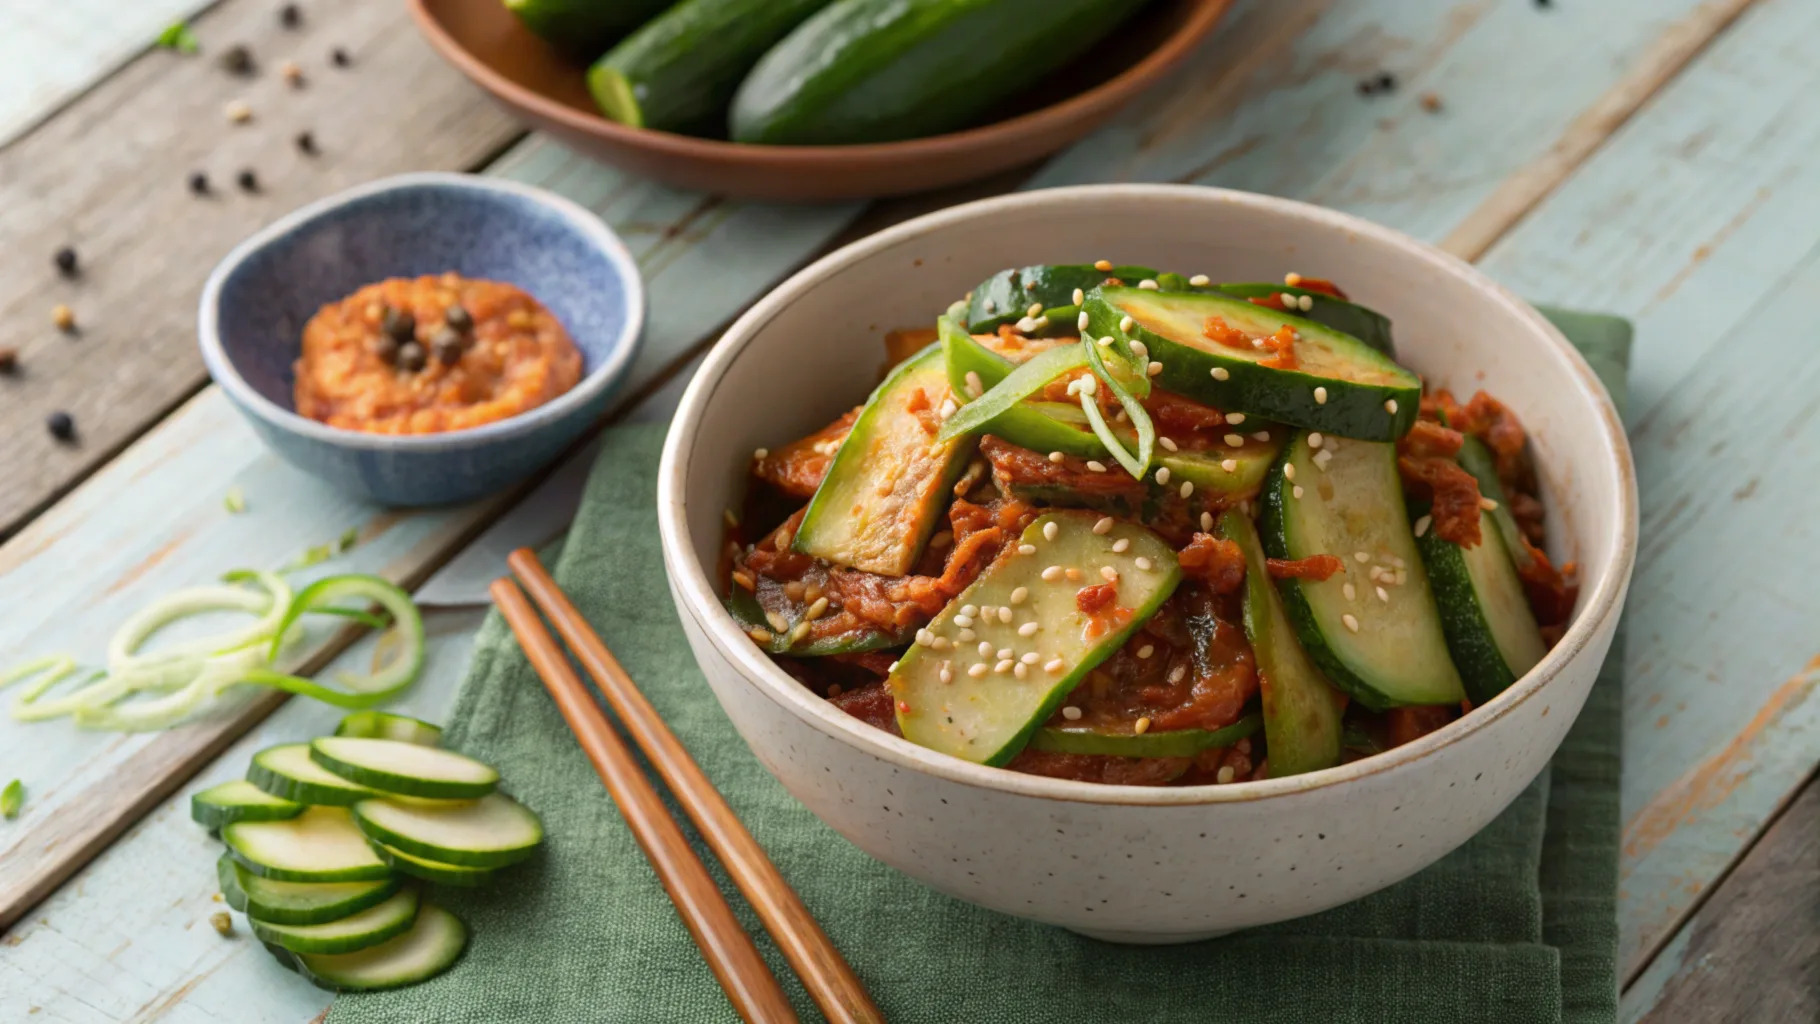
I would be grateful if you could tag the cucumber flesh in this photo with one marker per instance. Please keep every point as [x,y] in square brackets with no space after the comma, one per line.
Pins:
[1068,739]
[296,902]
[433,944]
[239,800]
[1367,325]
[357,931]
[1383,644]
[490,832]
[380,725]
[433,871]
[1361,392]
[1485,614]
[319,845]
[889,483]
[988,718]
[1301,711]
[288,771]
[392,766]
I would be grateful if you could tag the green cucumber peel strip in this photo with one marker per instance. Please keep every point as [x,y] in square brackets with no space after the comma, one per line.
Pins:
[359,930]
[1174,743]
[1026,380]
[239,800]
[363,691]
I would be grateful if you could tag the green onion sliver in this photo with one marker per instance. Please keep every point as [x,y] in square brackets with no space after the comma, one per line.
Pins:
[12,798]
[1138,464]
[1028,379]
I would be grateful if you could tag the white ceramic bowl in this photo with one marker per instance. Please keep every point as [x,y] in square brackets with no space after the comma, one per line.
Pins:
[1116,862]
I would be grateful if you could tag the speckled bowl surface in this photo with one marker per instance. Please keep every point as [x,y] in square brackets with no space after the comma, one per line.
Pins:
[1129,863]
[259,297]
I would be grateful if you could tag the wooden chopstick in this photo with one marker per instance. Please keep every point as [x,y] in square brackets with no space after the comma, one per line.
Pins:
[826,975]
[750,986]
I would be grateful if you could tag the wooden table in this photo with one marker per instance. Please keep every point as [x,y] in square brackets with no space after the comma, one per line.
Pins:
[1654,158]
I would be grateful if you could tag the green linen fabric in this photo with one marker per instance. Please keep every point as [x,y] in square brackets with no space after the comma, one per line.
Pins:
[1518,925]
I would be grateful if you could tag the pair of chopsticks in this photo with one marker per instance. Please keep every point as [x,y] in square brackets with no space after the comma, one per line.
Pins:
[750,986]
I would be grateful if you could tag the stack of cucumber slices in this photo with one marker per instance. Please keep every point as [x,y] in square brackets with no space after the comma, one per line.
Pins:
[330,842]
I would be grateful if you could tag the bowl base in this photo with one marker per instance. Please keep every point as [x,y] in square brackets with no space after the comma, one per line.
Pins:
[1151,938]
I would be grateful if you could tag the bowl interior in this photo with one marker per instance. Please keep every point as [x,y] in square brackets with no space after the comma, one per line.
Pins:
[493,37]
[408,231]
[818,340]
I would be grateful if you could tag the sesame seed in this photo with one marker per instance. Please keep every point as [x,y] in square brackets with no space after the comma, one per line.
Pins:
[1206,521]
[1125,324]
[1289,471]
[1350,591]
[1120,546]
[1422,525]
[1162,475]
[1104,342]
[1351,622]
[1110,574]
[1026,549]
[1148,284]
[1383,595]
[1176,673]
[1320,396]
[1004,616]
[893,667]
[1050,530]
[745,580]
[1071,713]
[1102,264]
[1020,595]
[1397,561]
[1079,296]
[817,609]
[1390,406]
[1056,457]
[1314,439]
[1080,322]
[1187,488]
[1096,466]
[1054,666]
[801,630]
[1292,279]
[965,636]
[1028,629]
[964,621]
[1020,670]
[1168,445]
[1229,465]
[238,111]
[1142,563]
[1051,574]
[760,453]
[1234,440]
[1073,574]
[1361,557]
[1200,280]
[1154,368]
[1220,373]
[1142,726]
[1141,350]
[924,638]
[1031,658]
[973,383]
[1224,775]
[1035,310]
[949,408]
[1235,418]
[985,649]
[778,622]
[762,636]
[1030,325]
[1261,435]
[1004,665]
[978,670]
[940,643]
[1296,491]
[1104,526]
[1488,504]
[968,609]
[947,674]
[1322,458]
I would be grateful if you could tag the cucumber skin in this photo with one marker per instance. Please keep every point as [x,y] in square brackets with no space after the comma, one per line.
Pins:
[882,70]
[432,871]
[214,816]
[1362,322]
[380,835]
[581,29]
[227,870]
[1352,410]
[1469,637]
[381,725]
[275,934]
[1055,283]
[362,874]
[683,66]
[745,609]
[322,975]
[286,788]
[386,782]
[1175,743]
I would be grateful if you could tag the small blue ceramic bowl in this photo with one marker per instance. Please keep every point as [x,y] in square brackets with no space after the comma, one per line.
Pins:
[258,299]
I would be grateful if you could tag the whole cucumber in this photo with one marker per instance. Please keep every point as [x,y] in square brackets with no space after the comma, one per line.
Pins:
[881,70]
[679,71]
[582,29]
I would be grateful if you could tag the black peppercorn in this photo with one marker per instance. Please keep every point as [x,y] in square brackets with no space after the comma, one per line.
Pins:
[290,16]
[459,318]
[339,57]
[66,261]
[237,60]
[9,361]
[447,344]
[1387,82]
[386,347]
[399,323]
[1366,87]
[249,182]
[61,425]
[306,143]
[199,183]
[411,357]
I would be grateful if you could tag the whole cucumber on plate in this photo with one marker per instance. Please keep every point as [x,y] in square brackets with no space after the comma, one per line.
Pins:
[881,70]
[583,28]
[679,72]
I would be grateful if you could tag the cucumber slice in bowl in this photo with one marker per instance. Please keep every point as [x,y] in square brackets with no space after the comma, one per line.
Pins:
[1069,739]
[1367,325]
[407,769]
[360,930]
[319,845]
[297,902]
[239,800]
[1372,627]
[1337,384]
[379,725]
[432,945]
[976,686]
[1006,297]
[433,871]
[288,771]
[487,833]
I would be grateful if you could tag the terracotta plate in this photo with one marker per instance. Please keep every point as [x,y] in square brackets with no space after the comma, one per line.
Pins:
[488,45]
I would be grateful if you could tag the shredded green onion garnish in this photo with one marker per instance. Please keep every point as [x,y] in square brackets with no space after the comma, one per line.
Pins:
[1026,380]
[1136,464]
[178,37]
[12,798]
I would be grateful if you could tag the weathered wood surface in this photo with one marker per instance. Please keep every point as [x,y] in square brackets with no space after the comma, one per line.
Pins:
[1270,107]
[1752,953]
[109,176]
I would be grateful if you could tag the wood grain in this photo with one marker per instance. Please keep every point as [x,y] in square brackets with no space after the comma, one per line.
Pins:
[108,175]
[730,952]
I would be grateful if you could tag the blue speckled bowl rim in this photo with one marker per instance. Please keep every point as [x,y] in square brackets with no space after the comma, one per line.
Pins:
[599,378]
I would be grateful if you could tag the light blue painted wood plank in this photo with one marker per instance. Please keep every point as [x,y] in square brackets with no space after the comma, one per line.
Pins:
[1701,221]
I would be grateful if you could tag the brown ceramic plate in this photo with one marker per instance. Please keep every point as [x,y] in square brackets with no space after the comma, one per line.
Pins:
[522,72]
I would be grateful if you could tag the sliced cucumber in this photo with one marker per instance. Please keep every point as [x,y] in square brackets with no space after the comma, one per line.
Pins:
[319,845]
[1301,711]
[380,725]
[288,771]
[433,871]
[1340,385]
[393,766]
[1477,459]
[1485,614]
[360,930]
[1367,325]
[431,946]
[1378,639]
[886,488]
[297,902]
[1070,739]
[1006,297]
[988,717]
[239,800]
[748,609]
[486,833]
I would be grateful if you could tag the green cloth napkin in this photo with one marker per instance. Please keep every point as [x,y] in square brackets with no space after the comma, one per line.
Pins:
[1518,925]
